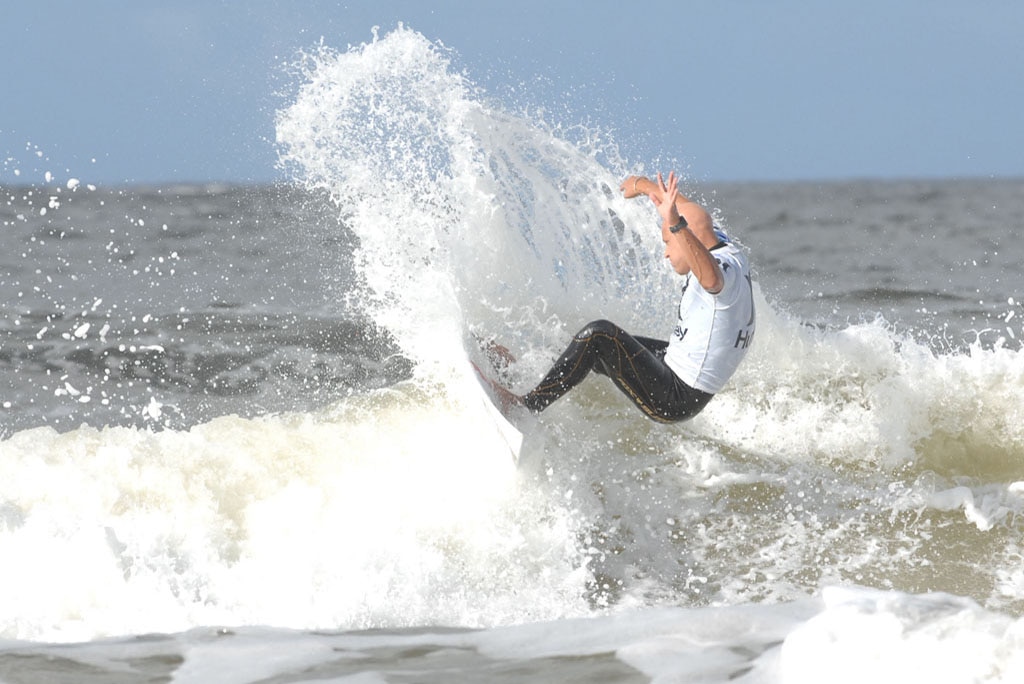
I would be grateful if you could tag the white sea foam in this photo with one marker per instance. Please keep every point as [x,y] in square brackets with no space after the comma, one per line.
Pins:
[350,517]
[846,635]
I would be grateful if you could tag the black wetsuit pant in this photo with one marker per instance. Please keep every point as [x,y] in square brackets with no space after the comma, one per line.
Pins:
[635,364]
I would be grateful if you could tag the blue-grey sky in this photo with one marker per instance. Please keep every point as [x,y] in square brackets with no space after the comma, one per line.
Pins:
[121,91]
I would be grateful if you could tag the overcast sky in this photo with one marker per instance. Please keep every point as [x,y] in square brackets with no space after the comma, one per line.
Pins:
[122,91]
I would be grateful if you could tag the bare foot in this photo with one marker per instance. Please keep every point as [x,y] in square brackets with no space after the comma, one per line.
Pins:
[506,400]
[497,355]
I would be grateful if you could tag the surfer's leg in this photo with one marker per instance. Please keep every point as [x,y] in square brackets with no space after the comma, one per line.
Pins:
[573,365]
[656,347]
[636,368]
[650,383]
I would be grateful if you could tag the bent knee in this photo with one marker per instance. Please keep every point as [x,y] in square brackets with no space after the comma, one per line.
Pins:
[598,327]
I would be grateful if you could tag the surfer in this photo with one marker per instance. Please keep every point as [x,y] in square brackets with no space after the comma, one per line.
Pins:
[671,380]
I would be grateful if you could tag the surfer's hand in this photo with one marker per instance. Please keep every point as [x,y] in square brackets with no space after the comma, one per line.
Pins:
[630,187]
[665,199]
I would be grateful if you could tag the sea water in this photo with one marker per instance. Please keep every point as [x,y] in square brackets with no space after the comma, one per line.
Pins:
[240,442]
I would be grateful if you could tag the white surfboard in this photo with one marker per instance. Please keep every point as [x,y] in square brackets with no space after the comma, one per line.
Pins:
[511,435]
[482,366]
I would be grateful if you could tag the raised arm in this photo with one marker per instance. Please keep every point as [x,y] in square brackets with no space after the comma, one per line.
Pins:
[696,238]
[697,218]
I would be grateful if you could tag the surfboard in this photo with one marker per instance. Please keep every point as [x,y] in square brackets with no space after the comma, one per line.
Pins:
[482,366]
[510,434]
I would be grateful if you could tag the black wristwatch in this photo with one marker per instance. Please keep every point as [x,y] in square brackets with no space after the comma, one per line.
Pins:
[679,226]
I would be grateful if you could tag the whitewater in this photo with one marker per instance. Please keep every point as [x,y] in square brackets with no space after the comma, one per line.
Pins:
[241,442]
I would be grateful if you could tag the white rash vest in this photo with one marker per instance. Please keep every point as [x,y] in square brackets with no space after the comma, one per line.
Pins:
[713,332]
